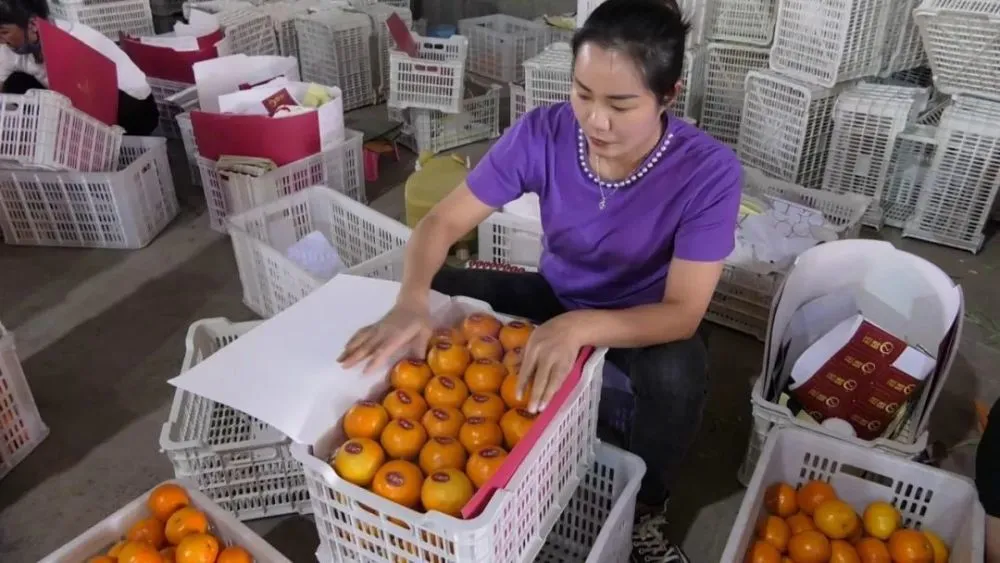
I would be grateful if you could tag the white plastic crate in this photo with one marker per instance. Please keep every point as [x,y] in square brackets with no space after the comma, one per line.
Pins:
[249,31]
[271,280]
[518,105]
[867,119]
[688,104]
[548,76]
[928,498]
[186,131]
[434,79]
[123,209]
[904,49]
[908,170]
[786,127]
[43,129]
[131,17]
[726,68]
[436,131]
[379,14]
[163,89]
[936,107]
[237,461]
[749,22]
[340,168]
[21,427]
[355,524]
[583,9]
[505,238]
[960,37]
[957,197]
[105,533]
[826,42]
[499,44]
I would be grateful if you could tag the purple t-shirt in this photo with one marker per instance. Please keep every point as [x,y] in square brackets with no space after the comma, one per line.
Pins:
[684,207]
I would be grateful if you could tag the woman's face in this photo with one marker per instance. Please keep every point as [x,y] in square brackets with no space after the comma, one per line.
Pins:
[13,35]
[619,115]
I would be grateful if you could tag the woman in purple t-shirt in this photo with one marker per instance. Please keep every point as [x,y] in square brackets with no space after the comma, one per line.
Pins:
[638,210]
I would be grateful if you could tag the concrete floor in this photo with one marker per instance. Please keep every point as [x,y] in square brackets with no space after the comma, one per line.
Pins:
[101,331]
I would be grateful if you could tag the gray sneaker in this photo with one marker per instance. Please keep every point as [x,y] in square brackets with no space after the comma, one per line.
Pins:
[650,543]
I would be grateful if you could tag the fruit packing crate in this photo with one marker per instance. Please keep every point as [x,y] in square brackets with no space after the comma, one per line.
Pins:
[356,524]
[131,17]
[499,44]
[125,209]
[960,40]
[509,239]
[186,132]
[21,426]
[926,497]
[435,131]
[249,30]
[746,22]
[366,242]
[237,461]
[726,68]
[379,14]
[223,526]
[548,76]
[688,105]
[334,48]
[517,102]
[164,92]
[433,79]
[228,193]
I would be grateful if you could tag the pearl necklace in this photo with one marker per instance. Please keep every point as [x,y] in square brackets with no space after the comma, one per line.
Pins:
[613,187]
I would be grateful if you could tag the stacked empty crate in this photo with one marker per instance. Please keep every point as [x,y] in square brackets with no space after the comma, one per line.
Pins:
[334,50]
[110,18]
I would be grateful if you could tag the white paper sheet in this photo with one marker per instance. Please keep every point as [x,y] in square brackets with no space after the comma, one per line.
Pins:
[331,114]
[225,74]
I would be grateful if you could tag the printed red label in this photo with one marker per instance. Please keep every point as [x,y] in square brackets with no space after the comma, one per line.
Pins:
[406,424]
[476,420]
[516,324]
[480,398]
[440,477]
[443,345]
[367,403]
[489,453]
[526,414]
[487,339]
[439,414]
[444,440]
[484,361]
[403,397]
[447,383]
[353,448]
[395,479]
[418,363]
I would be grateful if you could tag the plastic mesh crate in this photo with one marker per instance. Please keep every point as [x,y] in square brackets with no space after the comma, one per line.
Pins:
[957,197]
[518,104]
[960,37]
[227,193]
[786,126]
[271,281]
[749,22]
[250,31]
[436,131]
[434,79]
[186,131]
[21,427]
[131,17]
[42,129]
[499,44]
[726,68]
[908,170]
[936,107]
[737,314]
[505,238]
[928,498]
[163,89]
[334,50]
[867,118]
[689,103]
[379,13]
[904,49]
[548,76]
[829,41]
[123,209]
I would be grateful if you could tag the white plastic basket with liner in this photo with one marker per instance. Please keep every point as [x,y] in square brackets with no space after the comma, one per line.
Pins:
[21,426]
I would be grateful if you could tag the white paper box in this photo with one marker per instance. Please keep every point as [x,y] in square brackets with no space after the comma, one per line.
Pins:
[224,75]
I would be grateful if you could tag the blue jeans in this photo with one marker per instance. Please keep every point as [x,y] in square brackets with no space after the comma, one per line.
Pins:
[670,380]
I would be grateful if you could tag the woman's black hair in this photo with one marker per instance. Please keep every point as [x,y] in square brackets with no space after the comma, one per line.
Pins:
[20,12]
[651,32]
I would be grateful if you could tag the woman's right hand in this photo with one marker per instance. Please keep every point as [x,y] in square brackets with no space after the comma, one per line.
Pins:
[405,327]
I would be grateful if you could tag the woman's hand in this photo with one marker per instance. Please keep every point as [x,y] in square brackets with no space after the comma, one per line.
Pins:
[549,356]
[405,327]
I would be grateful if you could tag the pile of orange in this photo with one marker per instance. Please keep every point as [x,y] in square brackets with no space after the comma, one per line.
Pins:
[812,525]
[448,421]
[174,532]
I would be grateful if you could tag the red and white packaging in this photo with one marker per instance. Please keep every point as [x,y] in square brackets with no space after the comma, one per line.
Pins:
[172,56]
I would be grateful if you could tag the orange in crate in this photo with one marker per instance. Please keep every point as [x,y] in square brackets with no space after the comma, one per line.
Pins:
[357,460]
[446,391]
[508,392]
[780,500]
[478,432]
[843,552]
[446,358]
[366,419]
[404,403]
[480,324]
[484,463]
[446,491]
[872,550]
[515,423]
[197,548]
[442,453]
[452,335]
[410,373]
[763,552]
[485,375]
[138,552]
[148,530]
[512,359]
[183,523]
[399,481]
[443,421]
[485,405]
[810,546]
[485,348]
[775,532]
[169,554]
[910,546]
[167,499]
[799,523]
[403,438]
[234,554]
[813,494]
[515,334]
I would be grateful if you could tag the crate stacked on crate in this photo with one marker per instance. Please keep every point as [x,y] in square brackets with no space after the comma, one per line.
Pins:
[172,99]
[548,76]
[21,427]
[283,14]
[909,167]
[518,104]
[250,31]
[437,131]
[688,104]
[379,14]
[499,45]
[110,18]
[334,49]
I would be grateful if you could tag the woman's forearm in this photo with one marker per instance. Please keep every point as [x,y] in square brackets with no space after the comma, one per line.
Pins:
[645,325]
[426,252]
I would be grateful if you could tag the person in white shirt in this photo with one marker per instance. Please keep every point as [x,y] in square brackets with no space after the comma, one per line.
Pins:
[22,67]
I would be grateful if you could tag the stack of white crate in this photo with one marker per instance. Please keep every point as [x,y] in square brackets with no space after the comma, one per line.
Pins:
[334,50]
[109,17]
[548,76]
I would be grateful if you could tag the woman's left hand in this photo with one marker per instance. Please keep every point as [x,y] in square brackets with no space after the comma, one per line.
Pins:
[548,358]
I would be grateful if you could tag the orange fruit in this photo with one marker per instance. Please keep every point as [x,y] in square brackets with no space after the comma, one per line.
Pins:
[809,547]
[410,373]
[149,530]
[938,545]
[881,519]
[480,324]
[478,432]
[405,403]
[872,550]
[234,554]
[843,552]
[515,423]
[762,552]
[447,491]
[102,559]
[400,482]
[485,405]
[512,359]
[812,494]
[441,453]
[166,499]
[185,522]
[910,546]
[197,548]
[485,348]
[357,460]
[403,438]
[446,358]
[857,533]
[508,392]
[515,334]
[836,519]
[169,554]
[484,463]
[485,375]
[366,419]
[446,391]
[780,500]
[799,523]
[452,335]
[139,552]
[775,532]
[115,549]
[443,421]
